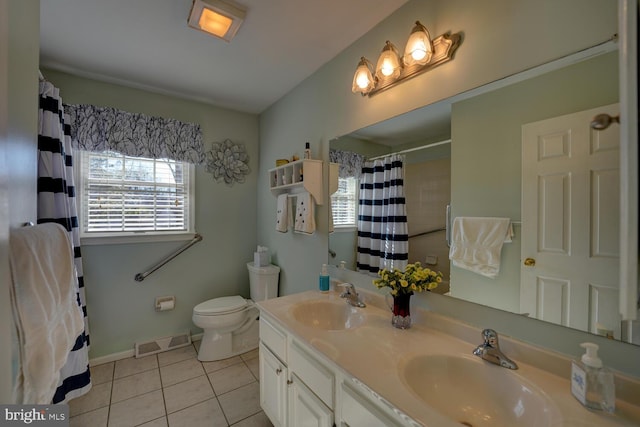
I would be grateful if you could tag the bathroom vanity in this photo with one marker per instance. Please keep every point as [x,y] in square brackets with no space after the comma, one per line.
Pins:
[324,362]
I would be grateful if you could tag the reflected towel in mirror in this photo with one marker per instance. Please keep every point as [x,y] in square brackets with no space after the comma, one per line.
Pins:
[476,243]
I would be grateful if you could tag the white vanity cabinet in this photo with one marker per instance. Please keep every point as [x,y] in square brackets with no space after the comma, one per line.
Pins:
[355,409]
[296,389]
[299,388]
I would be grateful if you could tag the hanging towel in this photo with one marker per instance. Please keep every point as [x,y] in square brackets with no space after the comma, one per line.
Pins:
[476,243]
[282,213]
[305,217]
[47,315]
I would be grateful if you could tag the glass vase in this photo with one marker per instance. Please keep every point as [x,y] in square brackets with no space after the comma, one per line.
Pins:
[401,315]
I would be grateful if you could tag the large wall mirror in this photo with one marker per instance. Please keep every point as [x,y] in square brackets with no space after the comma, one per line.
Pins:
[467,152]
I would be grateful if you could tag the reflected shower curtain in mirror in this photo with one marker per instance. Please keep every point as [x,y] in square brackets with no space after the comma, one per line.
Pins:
[383,240]
[57,203]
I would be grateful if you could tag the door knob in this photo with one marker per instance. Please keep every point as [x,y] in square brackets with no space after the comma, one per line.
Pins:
[530,262]
[602,121]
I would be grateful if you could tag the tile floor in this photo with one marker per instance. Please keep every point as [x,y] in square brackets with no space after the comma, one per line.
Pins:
[172,389]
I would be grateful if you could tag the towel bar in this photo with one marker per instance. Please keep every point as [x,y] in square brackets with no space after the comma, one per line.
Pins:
[141,276]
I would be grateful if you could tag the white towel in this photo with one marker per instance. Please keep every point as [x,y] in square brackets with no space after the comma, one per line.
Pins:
[476,243]
[282,213]
[45,308]
[305,217]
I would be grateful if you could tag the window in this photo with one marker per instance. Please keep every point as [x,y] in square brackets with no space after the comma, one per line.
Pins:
[344,203]
[131,196]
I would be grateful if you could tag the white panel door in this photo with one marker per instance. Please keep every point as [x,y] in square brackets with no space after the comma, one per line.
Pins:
[570,222]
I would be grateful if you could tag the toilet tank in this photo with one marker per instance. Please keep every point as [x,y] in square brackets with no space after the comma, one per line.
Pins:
[263,281]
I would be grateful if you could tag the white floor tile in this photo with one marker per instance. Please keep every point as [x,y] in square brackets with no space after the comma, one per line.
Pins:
[177,355]
[207,413]
[131,366]
[254,367]
[99,396]
[97,418]
[134,385]
[253,354]
[181,371]
[221,364]
[137,410]
[230,378]
[241,403]
[257,420]
[102,373]
[187,393]
[160,422]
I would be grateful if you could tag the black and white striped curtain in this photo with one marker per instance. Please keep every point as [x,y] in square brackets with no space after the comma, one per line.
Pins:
[56,203]
[383,239]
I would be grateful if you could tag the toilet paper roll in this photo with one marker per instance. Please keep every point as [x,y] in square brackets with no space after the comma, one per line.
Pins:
[166,305]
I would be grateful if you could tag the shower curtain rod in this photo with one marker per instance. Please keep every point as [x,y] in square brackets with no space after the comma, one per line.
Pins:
[409,150]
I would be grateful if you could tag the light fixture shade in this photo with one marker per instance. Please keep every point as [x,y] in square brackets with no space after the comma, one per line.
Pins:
[219,18]
[388,66]
[363,80]
[419,47]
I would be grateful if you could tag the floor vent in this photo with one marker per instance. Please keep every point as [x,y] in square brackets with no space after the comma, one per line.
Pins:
[159,345]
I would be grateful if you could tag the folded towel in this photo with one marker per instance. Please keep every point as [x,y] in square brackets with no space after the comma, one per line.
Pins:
[305,217]
[476,243]
[282,213]
[45,308]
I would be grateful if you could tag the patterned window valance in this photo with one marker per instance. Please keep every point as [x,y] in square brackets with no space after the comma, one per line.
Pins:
[96,128]
[350,163]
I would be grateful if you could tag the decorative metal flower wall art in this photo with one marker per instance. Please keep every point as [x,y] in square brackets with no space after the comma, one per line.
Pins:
[228,162]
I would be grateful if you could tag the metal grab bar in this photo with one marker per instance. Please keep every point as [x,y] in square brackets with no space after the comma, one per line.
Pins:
[141,276]
[424,233]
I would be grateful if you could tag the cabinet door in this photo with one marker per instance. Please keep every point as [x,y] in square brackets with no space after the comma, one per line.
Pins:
[305,408]
[358,411]
[273,387]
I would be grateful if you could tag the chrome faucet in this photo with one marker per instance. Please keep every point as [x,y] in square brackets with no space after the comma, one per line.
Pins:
[490,350]
[351,295]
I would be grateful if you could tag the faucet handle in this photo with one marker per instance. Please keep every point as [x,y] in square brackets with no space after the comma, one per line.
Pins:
[349,289]
[490,337]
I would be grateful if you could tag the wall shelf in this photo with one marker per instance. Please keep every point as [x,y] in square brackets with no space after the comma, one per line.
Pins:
[297,177]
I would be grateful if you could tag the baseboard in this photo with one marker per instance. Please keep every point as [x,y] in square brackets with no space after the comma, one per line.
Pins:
[126,354]
[111,357]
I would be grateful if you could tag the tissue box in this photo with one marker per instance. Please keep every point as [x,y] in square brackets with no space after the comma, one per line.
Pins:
[261,259]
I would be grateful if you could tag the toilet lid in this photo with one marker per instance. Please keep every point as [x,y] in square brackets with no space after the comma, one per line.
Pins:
[221,305]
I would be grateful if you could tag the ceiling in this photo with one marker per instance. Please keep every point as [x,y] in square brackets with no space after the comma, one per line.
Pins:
[147,44]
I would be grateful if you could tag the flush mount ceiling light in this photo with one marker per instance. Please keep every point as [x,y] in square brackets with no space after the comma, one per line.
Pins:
[420,54]
[220,18]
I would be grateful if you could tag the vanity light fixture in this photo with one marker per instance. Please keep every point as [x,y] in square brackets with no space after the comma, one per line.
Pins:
[219,18]
[420,54]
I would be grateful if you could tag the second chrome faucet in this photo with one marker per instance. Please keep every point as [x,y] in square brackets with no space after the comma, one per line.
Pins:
[490,350]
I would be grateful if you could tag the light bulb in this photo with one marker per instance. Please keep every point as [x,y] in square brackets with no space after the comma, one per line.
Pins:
[362,80]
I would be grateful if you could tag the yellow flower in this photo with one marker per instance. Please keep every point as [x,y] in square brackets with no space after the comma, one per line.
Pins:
[404,283]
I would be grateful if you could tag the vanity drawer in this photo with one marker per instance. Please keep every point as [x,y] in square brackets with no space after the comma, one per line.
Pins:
[312,372]
[272,337]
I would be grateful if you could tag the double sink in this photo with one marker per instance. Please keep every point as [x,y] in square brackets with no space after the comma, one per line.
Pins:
[461,387]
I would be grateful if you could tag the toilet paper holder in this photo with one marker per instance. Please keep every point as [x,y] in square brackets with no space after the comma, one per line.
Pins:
[165,303]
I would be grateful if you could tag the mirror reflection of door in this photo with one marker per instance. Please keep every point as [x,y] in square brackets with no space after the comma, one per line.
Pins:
[570,211]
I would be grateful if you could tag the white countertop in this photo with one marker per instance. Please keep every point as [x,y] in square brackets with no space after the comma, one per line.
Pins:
[373,352]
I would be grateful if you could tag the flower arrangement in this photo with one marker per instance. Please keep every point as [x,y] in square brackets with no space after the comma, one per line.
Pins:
[414,278]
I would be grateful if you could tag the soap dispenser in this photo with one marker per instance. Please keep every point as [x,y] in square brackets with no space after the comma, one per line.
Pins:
[324,279]
[591,383]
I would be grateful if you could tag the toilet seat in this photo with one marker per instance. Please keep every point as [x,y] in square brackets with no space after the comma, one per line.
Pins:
[222,305]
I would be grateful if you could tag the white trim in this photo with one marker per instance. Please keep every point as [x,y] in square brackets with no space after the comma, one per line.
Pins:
[114,357]
[628,65]
[137,238]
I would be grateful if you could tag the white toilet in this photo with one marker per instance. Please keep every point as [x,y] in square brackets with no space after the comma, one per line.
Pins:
[230,324]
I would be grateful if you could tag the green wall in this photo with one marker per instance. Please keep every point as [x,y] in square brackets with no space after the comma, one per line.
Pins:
[121,310]
[501,38]
[486,158]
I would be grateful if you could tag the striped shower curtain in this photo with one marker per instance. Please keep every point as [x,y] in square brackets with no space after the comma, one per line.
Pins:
[383,240]
[56,203]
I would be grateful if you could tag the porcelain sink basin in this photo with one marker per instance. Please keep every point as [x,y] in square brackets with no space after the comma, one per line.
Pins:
[476,393]
[327,315]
